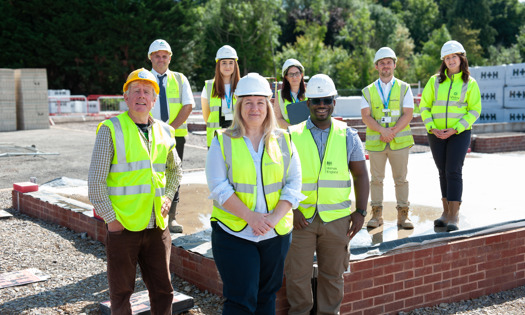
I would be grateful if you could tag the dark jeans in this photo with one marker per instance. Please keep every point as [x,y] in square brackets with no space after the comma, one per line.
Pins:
[449,155]
[151,249]
[251,273]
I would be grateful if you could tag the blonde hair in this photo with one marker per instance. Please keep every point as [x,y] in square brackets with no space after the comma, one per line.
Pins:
[269,125]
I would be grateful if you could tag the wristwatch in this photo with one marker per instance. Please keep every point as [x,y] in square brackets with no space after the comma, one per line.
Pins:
[361,212]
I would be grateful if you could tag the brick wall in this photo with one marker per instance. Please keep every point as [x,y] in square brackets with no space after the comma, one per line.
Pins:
[505,142]
[397,281]
[76,221]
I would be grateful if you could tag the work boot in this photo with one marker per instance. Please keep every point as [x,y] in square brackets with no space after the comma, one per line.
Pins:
[453,207]
[402,218]
[443,220]
[172,223]
[377,217]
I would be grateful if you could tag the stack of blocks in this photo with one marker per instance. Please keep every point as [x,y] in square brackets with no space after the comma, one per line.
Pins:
[32,111]
[7,100]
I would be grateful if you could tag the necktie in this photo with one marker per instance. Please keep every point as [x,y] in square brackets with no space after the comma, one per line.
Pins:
[164,116]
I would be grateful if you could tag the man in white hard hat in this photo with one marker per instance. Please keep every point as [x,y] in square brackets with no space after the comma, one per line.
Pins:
[123,193]
[173,105]
[386,109]
[331,155]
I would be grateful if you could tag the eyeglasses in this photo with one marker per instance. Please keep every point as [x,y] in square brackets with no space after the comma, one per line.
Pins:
[324,100]
[293,74]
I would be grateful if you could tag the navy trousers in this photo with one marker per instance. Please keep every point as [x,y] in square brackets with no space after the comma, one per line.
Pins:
[449,155]
[251,272]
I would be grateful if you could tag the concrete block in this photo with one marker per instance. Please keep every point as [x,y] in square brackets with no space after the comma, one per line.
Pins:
[489,76]
[515,74]
[514,97]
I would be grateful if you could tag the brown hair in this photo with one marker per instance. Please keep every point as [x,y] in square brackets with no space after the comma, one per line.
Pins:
[218,87]
[286,89]
[463,67]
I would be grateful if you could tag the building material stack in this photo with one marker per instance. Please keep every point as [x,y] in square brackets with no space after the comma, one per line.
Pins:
[32,109]
[7,100]
[502,92]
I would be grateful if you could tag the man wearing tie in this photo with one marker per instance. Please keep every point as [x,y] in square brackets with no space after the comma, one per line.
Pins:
[173,105]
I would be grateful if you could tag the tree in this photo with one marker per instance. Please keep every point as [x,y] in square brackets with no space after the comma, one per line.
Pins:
[420,16]
[246,25]
[428,61]
[499,55]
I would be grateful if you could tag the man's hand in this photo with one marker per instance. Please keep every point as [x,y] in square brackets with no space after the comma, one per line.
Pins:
[356,223]
[299,221]
[166,205]
[115,226]
[387,134]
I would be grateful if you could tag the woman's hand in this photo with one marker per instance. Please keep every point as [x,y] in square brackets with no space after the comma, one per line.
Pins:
[259,222]
[166,205]
[443,134]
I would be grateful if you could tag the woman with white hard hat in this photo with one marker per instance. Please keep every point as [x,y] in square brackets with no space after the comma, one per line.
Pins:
[217,98]
[254,176]
[292,91]
[450,104]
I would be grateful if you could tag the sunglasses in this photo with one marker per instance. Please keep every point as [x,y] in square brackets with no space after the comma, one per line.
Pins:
[323,100]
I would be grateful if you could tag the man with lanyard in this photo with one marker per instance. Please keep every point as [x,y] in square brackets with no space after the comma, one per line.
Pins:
[173,105]
[133,176]
[331,155]
[386,109]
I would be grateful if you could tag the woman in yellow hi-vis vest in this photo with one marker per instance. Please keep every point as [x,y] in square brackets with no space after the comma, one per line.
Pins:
[218,97]
[450,104]
[291,92]
[253,197]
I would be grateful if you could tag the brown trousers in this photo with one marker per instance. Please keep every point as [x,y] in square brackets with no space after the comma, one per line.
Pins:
[151,249]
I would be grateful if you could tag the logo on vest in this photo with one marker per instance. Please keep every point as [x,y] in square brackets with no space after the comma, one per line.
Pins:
[270,163]
[331,169]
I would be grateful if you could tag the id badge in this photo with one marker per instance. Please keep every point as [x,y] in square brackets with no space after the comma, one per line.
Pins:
[386,110]
[395,113]
[230,116]
[386,120]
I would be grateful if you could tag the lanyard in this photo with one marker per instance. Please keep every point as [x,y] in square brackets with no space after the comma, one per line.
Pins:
[385,102]
[294,100]
[228,98]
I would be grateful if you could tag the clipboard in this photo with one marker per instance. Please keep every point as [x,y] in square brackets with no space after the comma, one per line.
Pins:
[298,112]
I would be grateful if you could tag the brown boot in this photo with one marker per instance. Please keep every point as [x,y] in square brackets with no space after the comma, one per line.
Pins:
[402,218]
[443,220]
[377,217]
[453,207]
[172,223]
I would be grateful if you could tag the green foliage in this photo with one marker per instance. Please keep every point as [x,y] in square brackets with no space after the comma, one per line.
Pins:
[90,46]
[500,55]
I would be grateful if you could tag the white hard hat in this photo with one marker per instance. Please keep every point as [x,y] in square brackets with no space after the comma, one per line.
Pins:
[253,84]
[452,47]
[226,52]
[385,52]
[159,44]
[292,63]
[320,85]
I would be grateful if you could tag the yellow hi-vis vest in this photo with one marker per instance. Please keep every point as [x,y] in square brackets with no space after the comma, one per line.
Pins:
[451,104]
[283,104]
[213,119]
[243,177]
[403,138]
[137,178]
[174,96]
[326,184]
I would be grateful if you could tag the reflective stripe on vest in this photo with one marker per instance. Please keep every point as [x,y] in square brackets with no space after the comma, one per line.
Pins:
[137,179]
[215,104]
[403,138]
[326,184]
[242,176]
[174,95]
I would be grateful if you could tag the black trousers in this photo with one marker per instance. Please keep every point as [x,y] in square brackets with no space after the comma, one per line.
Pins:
[179,146]
[449,156]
